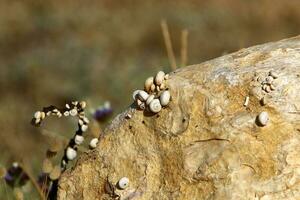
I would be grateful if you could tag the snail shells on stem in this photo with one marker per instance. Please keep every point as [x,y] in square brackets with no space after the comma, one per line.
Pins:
[71,153]
[78,139]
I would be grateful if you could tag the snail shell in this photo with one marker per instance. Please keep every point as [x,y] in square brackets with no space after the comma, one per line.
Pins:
[150,98]
[82,104]
[263,118]
[159,78]
[148,83]
[157,88]
[93,143]
[37,115]
[141,105]
[43,115]
[123,183]
[269,79]
[273,74]
[84,128]
[165,98]
[134,94]
[152,88]
[166,77]
[73,112]
[155,106]
[71,153]
[142,95]
[162,86]
[78,139]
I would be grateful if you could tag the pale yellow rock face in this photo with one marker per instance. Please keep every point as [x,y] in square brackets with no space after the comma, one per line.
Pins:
[206,144]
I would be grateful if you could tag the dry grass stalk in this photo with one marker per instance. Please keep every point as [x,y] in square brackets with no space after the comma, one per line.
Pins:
[168,43]
[33,181]
[184,47]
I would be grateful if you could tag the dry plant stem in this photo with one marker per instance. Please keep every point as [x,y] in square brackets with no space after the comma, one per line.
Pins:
[6,193]
[168,43]
[33,181]
[184,47]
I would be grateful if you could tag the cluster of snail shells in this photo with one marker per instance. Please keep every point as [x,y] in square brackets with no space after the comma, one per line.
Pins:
[154,96]
[268,84]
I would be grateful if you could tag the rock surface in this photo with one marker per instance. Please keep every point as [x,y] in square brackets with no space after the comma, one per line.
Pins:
[206,144]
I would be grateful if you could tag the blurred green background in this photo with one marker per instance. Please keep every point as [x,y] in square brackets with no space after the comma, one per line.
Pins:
[54,51]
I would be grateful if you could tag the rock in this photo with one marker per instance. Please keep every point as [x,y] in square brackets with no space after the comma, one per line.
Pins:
[206,144]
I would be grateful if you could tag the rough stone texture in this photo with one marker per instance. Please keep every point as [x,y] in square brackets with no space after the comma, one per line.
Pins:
[206,144]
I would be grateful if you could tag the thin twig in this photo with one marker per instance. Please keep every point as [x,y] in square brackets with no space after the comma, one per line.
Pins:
[184,47]
[168,43]
[33,181]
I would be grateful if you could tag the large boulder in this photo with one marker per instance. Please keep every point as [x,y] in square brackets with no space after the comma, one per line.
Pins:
[209,143]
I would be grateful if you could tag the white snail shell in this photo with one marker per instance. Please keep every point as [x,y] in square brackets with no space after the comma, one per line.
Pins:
[150,98]
[84,128]
[155,106]
[82,104]
[43,115]
[79,139]
[162,86]
[166,76]
[263,118]
[148,83]
[93,143]
[159,78]
[134,94]
[165,98]
[37,115]
[86,120]
[123,183]
[152,88]
[71,153]
[73,112]
[273,74]
[66,113]
[142,95]
[269,79]
[140,104]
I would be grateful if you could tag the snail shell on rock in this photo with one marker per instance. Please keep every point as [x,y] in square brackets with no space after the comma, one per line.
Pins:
[263,118]
[159,78]
[123,183]
[150,98]
[155,106]
[93,143]
[142,95]
[165,98]
[134,94]
[148,83]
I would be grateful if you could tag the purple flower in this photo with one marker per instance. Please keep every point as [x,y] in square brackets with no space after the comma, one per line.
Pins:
[16,176]
[103,112]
